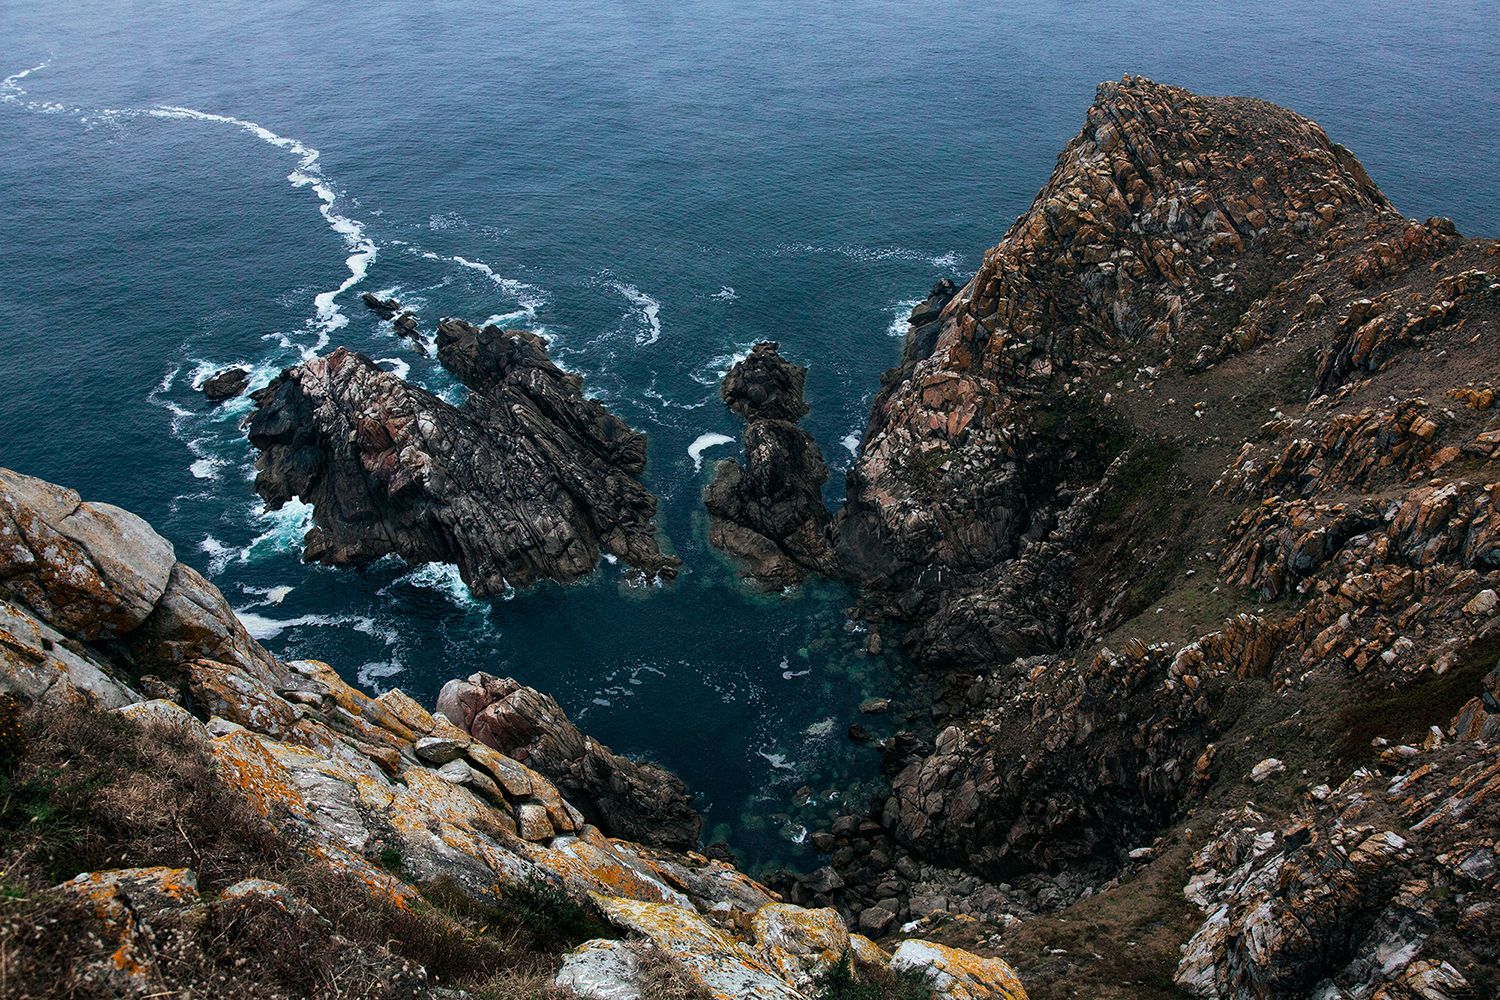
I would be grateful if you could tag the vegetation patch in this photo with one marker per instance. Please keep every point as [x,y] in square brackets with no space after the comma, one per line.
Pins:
[850,980]
[83,790]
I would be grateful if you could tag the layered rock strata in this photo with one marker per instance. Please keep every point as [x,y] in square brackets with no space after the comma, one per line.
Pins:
[95,610]
[526,480]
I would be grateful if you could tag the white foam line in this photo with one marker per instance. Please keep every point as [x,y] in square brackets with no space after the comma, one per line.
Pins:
[649,308]
[869,254]
[703,443]
[529,297]
[308,173]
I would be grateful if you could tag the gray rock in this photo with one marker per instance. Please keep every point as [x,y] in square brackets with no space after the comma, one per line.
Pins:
[528,480]
[440,750]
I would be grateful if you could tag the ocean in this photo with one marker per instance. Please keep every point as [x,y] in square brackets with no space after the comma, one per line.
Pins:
[655,188]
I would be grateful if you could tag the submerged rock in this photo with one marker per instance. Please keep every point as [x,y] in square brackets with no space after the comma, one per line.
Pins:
[527,480]
[768,513]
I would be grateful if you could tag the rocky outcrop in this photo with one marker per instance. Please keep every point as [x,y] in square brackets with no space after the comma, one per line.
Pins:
[1385,886]
[527,480]
[225,384]
[403,321]
[1178,497]
[633,800]
[394,800]
[768,514]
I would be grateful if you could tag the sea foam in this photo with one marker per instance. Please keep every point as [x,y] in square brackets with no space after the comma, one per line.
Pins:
[704,442]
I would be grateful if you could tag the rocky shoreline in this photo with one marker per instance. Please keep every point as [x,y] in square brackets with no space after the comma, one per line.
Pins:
[389,800]
[1186,507]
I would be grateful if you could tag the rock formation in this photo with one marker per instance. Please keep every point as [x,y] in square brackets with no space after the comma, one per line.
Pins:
[403,321]
[380,796]
[225,384]
[527,480]
[1198,470]
[768,514]
[625,798]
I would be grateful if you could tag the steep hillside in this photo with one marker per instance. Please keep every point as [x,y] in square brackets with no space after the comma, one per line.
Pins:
[183,813]
[1185,498]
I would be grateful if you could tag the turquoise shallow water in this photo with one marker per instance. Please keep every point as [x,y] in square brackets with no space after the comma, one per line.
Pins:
[656,189]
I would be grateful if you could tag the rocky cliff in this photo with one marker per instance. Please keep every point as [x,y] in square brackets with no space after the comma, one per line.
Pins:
[527,480]
[1184,498]
[260,828]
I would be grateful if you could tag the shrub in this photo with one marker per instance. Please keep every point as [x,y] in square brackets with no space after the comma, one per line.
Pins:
[861,981]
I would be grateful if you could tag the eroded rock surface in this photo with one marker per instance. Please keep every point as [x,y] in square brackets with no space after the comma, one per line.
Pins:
[633,800]
[91,600]
[768,513]
[527,480]
[1197,472]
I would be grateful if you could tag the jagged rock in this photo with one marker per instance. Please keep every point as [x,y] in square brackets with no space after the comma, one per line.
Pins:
[225,384]
[1029,484]
[527,480]
[768,513]
[630,799]
[765,386]
[347,779]
[385,308]
[1340,897]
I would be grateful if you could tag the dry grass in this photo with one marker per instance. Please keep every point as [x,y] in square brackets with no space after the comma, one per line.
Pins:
[85,791]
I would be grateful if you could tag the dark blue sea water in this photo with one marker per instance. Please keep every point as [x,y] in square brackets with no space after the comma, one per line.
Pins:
[655,186]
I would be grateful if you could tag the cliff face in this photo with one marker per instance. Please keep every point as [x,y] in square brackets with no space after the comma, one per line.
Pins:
[230,789]
[1180,496]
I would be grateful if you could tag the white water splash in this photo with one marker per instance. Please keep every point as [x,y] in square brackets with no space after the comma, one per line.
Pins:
[648,309]
[704,442]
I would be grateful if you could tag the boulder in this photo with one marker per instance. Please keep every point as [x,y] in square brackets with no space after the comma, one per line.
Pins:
[768,514]
[630,799]
[225,384]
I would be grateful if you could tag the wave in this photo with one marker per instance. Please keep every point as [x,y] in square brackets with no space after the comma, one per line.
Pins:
[398,367]
[725,293]
[712,371]
[851,442]
[648,308]
[703,443]
[900,312]
[441,577]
